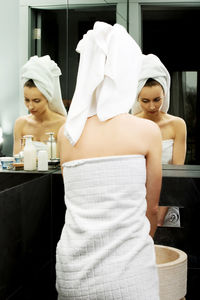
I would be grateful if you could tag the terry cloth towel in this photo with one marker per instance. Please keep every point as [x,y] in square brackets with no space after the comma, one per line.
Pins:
[45,74]
[105,251]
[153,68]
[110,61]
[167,151]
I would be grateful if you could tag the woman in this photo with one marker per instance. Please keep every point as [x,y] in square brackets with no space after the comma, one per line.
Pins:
[152,103]
[112,177]
[42,97]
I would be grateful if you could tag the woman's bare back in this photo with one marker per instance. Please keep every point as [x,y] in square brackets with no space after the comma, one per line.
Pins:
[124,134]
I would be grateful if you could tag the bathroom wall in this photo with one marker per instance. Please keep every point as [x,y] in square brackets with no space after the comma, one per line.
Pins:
[9,68]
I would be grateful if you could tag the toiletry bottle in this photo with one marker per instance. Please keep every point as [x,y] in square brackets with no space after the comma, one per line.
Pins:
[30,154]
[22,145]
[51,146]
[42,160]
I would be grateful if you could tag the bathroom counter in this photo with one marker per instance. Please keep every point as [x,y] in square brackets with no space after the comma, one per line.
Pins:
[12,171]
[12,178]
[168,171]
[187,171]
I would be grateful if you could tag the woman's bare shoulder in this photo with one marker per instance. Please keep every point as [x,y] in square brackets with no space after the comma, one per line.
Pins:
[144,123]
[175,118]
[61,131]
[140,114]
[61,135]
[19,125]
[177,121]
[60,118]
[150,128]
[140,125]
[146,133]
[20,121]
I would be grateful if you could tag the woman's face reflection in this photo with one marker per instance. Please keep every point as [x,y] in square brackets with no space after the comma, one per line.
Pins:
[35,102]
[151,99]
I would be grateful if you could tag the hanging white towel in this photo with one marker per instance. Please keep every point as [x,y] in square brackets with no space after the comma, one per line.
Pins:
[106,86]
[45,74]
[153,68]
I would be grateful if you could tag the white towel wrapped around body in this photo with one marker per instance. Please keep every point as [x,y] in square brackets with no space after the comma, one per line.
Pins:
[153,68]
[105,251]
[110,62]
[45,74]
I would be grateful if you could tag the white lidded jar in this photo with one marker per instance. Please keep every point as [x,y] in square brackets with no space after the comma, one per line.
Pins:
[30,154]
[42,160]
[51,146]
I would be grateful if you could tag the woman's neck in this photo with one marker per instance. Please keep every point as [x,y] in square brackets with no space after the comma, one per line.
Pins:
[44,116]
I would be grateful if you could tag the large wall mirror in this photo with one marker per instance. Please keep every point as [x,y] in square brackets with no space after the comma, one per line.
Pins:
[61,29]
[42,27]
[170,31]
[54,27]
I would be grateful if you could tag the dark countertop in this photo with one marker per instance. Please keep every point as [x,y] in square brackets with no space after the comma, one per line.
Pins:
[190,171]
[11,178]
[12,171]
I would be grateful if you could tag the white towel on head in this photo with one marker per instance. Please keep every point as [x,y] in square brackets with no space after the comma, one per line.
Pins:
[45,74]
[110,62]
[153,68]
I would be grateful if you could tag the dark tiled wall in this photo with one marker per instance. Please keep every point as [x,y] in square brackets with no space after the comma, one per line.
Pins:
[31,219]
[185,193]
[26,241]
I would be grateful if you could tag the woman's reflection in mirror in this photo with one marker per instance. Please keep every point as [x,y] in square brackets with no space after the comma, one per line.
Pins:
[153,103]
[42,97]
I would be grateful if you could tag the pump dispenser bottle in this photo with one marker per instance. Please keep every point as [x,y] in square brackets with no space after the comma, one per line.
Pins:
[30,154]
[51,146]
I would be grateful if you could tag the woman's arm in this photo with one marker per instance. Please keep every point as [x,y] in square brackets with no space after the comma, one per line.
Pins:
[60,149]
[18,134]
[60,124]
[179,149]
[154,177]
[162,211]
[178,158]
[63,146]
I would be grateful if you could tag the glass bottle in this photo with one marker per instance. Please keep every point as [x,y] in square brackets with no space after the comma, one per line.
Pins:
[51,146]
